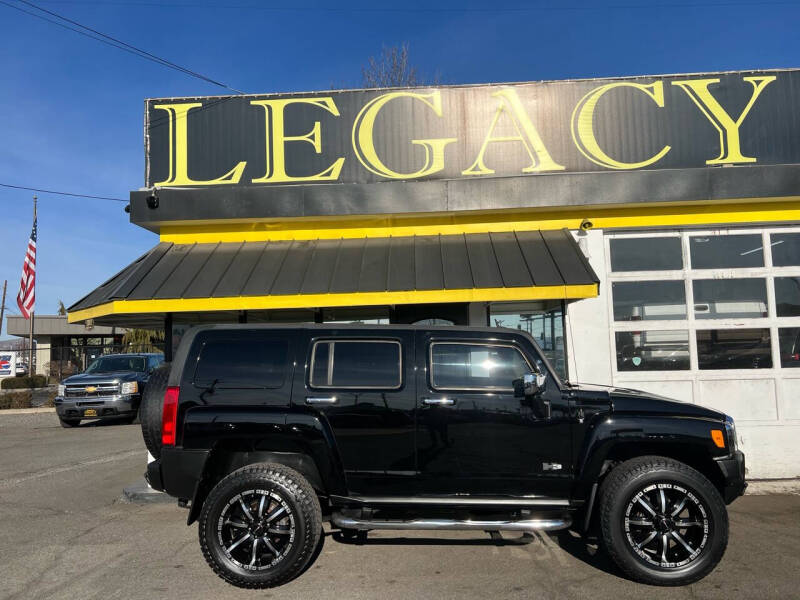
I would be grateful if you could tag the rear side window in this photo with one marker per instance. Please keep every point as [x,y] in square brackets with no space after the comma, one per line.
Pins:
[475,366]
[242,364]
[356,364]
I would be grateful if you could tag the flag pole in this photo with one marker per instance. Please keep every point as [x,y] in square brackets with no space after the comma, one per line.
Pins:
[3,306]
[31,371]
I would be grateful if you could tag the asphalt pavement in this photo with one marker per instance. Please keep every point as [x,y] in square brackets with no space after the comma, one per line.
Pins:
[66,533]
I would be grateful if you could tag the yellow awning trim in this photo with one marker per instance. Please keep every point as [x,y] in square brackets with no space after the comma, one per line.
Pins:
[664,214]
[235,303]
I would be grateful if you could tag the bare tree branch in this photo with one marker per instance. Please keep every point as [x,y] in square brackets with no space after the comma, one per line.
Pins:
[392,68]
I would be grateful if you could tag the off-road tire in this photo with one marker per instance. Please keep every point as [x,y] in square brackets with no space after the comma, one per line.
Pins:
[302,501]
[150,409]
[620,488]
[69,423]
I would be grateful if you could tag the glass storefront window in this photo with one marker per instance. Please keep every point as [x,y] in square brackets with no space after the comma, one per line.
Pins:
[659,350]
[785,249]
[734,349]
[648,300]
[545,325]
[787,296]
[726,251]
[789,340]
[646,254]
[730,298]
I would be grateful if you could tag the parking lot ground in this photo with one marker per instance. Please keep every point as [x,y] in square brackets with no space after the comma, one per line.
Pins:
[65,533]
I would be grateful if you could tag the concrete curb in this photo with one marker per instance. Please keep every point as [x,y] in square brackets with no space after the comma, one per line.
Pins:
[767,487]
[141,493]
[26,411]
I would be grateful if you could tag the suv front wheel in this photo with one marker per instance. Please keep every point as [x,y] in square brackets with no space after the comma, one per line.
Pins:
[260,526]
[662,522]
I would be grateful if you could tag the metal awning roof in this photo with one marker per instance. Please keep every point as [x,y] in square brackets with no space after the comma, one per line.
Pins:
[202,278]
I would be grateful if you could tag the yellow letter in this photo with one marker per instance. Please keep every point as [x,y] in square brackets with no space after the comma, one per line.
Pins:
[730,151]
[364,137]
[583,125]
[526,133]
[178,147]
[277,171]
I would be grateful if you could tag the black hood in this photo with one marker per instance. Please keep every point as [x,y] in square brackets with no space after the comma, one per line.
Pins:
[103,377]
[626,400]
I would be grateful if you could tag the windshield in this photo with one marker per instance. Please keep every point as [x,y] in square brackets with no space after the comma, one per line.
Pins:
[109,364]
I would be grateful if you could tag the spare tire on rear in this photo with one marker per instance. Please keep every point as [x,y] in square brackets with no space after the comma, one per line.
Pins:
[151,407]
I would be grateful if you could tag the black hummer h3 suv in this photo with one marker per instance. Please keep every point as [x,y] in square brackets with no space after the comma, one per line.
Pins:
[263,430]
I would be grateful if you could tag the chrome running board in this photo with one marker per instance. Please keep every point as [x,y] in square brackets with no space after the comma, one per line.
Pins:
[545,524]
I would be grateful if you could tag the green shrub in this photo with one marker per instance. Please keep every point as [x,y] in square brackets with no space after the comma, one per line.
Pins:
[16,400]
[17,383]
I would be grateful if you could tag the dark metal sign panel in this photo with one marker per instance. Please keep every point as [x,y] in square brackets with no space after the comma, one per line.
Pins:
[475,132]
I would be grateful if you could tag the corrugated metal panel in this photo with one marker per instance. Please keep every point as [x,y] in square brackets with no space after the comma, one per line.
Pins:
[496,260]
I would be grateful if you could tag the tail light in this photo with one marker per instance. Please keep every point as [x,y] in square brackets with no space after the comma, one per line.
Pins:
[169,416]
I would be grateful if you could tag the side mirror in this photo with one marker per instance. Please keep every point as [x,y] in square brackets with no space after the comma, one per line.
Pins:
[530,387]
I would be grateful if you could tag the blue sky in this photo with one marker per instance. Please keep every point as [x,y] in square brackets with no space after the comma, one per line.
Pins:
[71,109]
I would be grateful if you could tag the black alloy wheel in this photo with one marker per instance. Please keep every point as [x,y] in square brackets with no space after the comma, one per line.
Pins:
[260,526]
[662,522]
[256,529]
[666,525]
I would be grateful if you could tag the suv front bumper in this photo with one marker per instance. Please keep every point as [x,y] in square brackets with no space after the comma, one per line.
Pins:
[733,471]
[103,406]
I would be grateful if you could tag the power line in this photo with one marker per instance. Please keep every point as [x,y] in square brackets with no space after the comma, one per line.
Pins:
[112,41]
[32,189]
[429,9]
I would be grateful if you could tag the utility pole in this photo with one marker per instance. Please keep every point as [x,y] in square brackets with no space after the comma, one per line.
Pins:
[3,306]
[31,371]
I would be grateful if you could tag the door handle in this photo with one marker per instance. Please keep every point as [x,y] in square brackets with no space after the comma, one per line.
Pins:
[438,401]
[322,400]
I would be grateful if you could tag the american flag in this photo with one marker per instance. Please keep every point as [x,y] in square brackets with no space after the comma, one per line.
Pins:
[26,298]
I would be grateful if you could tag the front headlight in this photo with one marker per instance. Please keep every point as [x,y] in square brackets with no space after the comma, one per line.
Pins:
[130,387]
[730,430]
[62,389]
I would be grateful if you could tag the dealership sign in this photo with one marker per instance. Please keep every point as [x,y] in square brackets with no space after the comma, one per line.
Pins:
[362,136]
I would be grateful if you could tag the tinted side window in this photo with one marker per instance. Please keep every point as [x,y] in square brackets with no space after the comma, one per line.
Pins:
[475,366]
[242,364]
[356,364]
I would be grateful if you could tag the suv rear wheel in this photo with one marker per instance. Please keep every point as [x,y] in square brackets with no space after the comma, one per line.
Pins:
[260,525]
[662,522]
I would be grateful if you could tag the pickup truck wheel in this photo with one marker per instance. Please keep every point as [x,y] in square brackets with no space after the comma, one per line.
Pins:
[67,423]
[662,522]
[260,525]
[150,409]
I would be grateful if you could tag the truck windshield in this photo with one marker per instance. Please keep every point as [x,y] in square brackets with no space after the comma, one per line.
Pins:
[109,364]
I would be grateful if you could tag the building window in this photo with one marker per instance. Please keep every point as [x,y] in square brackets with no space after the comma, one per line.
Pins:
[648,300]
[785,249]
[726,251]
[734,293]
[734,349]
[789,340]
[652,350]
[787,296]
[544,321]
[356,364]
[730,298]
[475,366]
[646,254]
